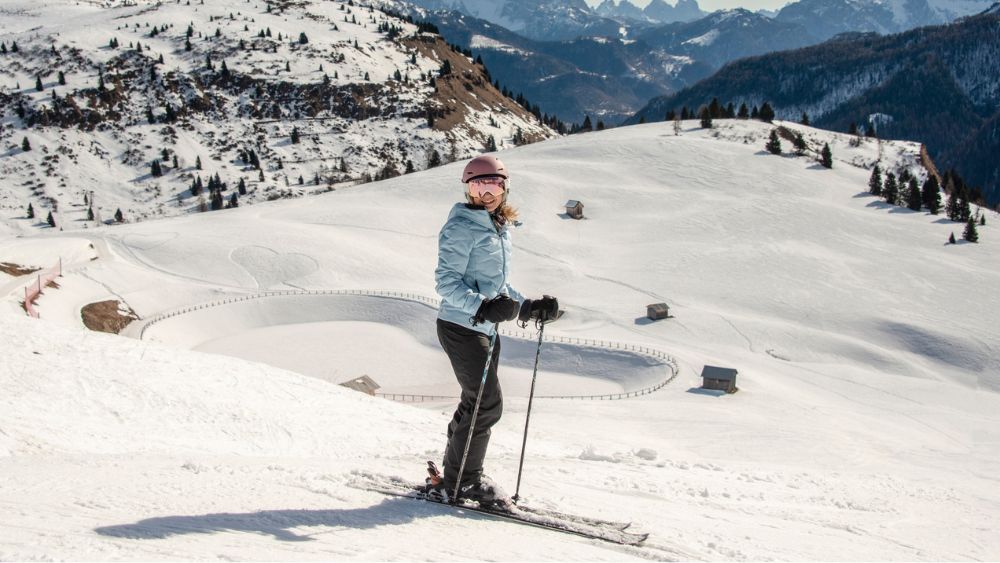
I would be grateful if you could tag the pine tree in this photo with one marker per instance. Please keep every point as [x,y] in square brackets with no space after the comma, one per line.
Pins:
[706,116]
[62,78]
[175,162]
[13,47]
[766,113]
[951,239]
[234,200]
[119,217]
[714,110]
[587,125]
[826,156]
[51,220]
[971,234]
[242,187]
[260,177]
[187,45]
[744,113]
[805,119]
[295,135]
[90,213]
[3,48]
[930,195]
[197,162]
[155,170]
[982,220]
[38,83]
[964,207]
[914,198]
[303,39]
[891,190]
[25,145]
[755,113]
[302,180]
[773,145]
[875,181]
[853,129]
[800,144]
[31,212]
[951,208]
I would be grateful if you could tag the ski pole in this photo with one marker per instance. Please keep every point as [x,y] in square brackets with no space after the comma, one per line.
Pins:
[527,419]
[475,413]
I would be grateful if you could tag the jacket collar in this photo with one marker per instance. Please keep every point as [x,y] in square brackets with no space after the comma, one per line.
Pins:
[473,213]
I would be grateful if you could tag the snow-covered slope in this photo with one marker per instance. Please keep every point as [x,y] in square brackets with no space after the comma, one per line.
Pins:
[865,426]
[323,94]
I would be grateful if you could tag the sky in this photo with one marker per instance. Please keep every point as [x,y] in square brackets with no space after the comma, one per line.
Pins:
[711,5]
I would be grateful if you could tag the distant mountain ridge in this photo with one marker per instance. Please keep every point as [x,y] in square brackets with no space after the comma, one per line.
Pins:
[938,85]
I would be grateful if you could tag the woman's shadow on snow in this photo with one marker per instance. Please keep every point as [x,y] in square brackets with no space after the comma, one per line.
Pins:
[277,523]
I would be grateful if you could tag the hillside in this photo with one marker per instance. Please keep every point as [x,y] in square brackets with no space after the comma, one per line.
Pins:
[323,94]
[865,427]
[937,85]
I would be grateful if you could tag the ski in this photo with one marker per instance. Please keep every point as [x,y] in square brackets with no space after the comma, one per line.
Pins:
[592,528]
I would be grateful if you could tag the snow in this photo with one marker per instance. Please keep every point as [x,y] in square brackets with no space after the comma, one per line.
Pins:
[865,428]
[704,40]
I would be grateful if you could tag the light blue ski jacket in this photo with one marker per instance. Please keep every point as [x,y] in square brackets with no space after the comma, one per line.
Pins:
[473,266]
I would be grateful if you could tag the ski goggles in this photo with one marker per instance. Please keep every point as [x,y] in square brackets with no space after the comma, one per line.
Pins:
[493,185]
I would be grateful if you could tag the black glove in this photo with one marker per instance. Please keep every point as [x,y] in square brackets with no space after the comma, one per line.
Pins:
[544,309]
[497,310]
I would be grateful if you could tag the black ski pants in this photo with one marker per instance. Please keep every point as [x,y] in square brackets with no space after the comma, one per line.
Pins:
[467,349]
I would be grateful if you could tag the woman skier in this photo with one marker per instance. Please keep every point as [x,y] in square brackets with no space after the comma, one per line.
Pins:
[473,268]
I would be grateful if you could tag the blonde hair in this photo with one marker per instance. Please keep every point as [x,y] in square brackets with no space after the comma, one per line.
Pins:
[507,212]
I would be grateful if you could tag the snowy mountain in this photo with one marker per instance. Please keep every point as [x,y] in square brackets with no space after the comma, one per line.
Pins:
[865,427]
[939,85]
[289,99]
[725,36]
[541,20]
[827,18]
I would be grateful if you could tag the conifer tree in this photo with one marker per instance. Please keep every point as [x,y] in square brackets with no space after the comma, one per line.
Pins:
[155,170]
[744,113]
[13,47]
[302,180]
[25,145]
[773,145]
[952,208]
[714,110]
[755,113]
[175,162]
[706,116]
[875,181]
[951,239]
[119,217]
[587,125]
[38,83]
[891,190]
[295,136]
[971,234]
[303,39]
[51,220]
[931,195]
[766,113]
[234,200]
[62,78]
[914,198]
[242,187]
[685,114]
[31,212]
[197,162]
[826,156]
[853,129]
[800,144]
[964,208]
[805,119]
[260,177]
[982,220]
[3,48]
[90,213]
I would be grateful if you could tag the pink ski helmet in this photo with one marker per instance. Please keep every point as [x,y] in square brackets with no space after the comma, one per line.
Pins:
[484,166]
